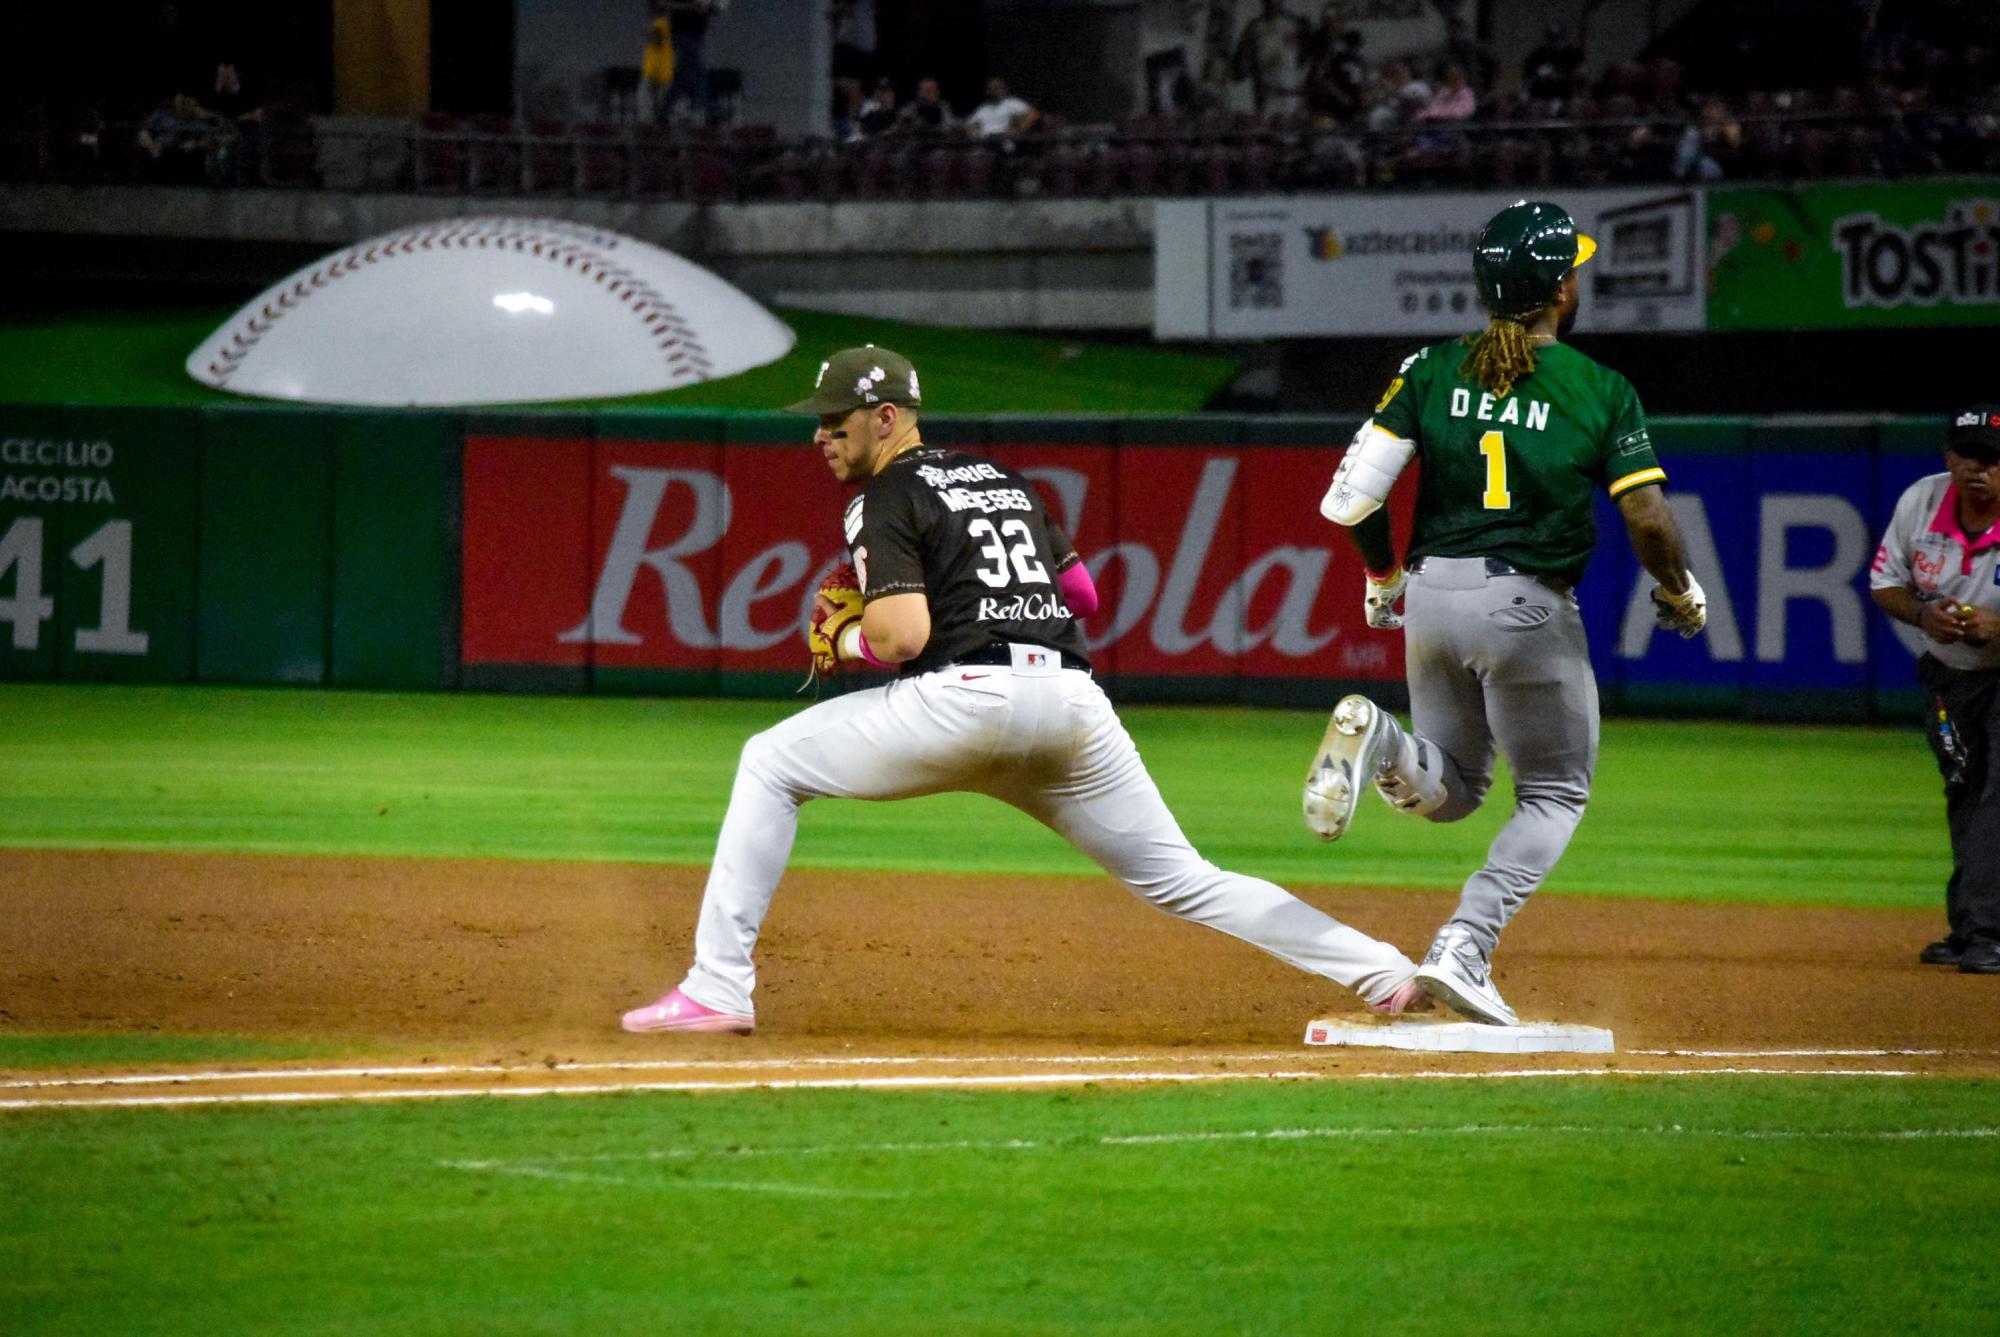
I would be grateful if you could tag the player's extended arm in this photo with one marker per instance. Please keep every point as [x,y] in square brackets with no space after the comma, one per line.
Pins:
[1656,538]
[896,626]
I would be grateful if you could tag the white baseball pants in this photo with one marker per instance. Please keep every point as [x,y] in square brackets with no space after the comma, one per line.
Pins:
[1045,740]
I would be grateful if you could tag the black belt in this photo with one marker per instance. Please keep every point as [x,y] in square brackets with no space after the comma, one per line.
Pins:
[1496,567]
[1001,655]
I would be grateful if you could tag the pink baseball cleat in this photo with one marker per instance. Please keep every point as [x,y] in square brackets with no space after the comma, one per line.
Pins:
[678,1012]
[1409,997]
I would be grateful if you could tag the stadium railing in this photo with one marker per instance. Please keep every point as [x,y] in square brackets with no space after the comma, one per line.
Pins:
[486,155]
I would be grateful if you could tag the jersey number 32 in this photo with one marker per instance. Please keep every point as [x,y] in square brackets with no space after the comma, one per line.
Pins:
[996,553]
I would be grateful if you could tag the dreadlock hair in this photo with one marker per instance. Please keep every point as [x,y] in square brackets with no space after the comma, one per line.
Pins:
[1503,353]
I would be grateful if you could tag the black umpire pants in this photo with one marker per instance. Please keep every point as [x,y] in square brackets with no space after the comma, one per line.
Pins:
[1962,722]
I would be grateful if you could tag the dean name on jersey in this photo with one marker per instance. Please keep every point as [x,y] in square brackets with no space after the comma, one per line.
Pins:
[1510,410]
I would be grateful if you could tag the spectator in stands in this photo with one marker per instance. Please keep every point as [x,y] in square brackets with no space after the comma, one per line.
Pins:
[1710,146]
[1336,85]
[1270,53]
[1453,101]
[1001,114]
[1325,39]
[1467,52]
[1550,71]
[1218,65]
[853,59]
[687,94]
[1399,96]
[877,116]
[227,97]
[929,113]
[656,64]
[185,142]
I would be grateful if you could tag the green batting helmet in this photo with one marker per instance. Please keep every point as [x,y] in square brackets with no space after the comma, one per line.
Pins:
[1522,254]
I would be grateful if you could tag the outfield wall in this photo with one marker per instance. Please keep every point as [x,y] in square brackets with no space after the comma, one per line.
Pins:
[643,551]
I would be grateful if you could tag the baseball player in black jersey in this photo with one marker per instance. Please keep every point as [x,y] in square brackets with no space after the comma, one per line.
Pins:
[972,595]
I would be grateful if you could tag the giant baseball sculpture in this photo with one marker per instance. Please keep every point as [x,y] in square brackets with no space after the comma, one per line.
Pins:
[489,311]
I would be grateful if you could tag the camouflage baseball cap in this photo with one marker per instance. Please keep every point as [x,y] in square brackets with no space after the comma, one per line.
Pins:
[856,378]
[1522,254]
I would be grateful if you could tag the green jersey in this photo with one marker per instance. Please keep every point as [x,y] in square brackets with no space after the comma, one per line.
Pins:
[1514,476]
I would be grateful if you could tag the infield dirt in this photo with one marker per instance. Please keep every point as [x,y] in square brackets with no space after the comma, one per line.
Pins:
[518,961]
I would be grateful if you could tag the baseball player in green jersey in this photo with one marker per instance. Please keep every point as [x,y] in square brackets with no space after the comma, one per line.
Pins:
[1516,432]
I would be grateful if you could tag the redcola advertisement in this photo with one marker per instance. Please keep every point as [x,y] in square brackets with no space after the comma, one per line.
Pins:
[1211,561]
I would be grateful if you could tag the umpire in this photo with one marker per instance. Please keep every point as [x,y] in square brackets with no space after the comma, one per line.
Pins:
[1939,570]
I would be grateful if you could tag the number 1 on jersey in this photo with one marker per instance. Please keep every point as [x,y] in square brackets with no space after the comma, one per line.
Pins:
[1494,447]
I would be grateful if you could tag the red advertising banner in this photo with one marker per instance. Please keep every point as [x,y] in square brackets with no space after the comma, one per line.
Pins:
[1302,575]
[660,513]
[784,536]
[1211,562]
[526,551]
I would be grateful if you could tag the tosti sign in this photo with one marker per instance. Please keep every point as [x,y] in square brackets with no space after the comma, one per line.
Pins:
[1844,256]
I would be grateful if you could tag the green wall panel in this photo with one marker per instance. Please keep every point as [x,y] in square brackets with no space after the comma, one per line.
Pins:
[97,515]
[266,545]
[395,550]
[31,547]
[133,551]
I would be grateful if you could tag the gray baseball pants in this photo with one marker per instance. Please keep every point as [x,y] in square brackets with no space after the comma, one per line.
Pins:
[1501,659]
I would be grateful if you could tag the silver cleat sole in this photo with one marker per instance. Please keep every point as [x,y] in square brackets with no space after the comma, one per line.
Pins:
[1335,782]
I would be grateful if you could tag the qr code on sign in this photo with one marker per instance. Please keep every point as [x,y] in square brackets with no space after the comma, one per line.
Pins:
[1256,270]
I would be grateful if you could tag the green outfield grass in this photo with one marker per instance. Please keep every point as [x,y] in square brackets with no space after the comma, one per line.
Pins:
[1559,1206]
[111,1048]
[1706,811]
[137,357]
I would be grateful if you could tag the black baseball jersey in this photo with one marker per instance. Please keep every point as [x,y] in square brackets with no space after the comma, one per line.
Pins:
[973,537]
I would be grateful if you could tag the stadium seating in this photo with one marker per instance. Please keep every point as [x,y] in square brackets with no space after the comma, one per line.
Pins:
[1635,125]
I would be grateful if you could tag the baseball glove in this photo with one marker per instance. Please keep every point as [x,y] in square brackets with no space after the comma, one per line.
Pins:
[836,607]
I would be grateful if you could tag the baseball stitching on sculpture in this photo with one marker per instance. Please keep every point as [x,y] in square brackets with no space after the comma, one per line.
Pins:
[679,344]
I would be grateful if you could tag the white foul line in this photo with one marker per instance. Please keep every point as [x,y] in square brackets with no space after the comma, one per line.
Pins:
[762,1064]
[912,1082]
[1787,1053]
[633,1065]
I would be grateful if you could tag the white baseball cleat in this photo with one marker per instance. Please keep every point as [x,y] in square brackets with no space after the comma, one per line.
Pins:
[1349,757]
[1456,974]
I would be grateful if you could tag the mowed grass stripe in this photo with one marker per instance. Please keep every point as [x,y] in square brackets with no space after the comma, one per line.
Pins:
[1682,810]
[1750,1204]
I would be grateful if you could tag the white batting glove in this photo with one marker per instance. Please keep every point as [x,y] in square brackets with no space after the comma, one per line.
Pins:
[1379,599]
[1686,612]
